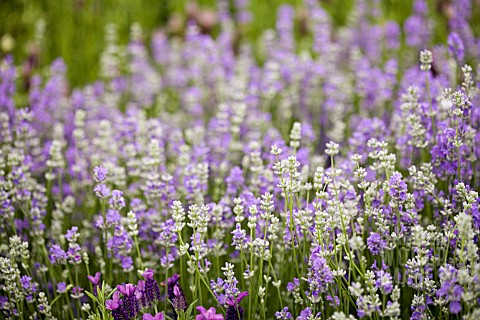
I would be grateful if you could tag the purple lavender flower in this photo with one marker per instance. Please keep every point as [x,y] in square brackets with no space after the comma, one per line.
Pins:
[112,217]
[100,174]
[334,301]
[3,300]
[375,243]
[307,314]
[238,239]
[455,307]
[72,234]
[243,16]
[175,294]
[418,26]
[284,314]
[77,292]
[7,85]
[61,287]
[320,275]
[392,35]
[218,288]
[455,46]
[450,290]
[117,201]
[57,255]
[27,284]
[419,312]
[384,282]
[101,191]
[292,285]
[235,181]
[398,187]
[126,262]
[73,253]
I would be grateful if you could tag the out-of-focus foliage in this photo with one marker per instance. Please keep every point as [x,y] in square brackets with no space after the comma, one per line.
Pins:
[74,29]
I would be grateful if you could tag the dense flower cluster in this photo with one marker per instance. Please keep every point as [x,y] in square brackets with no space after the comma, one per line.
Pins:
[335,178]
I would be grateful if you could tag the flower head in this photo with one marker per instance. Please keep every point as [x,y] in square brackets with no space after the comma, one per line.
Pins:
[114,303]
[100,174]
[398,187]
[95,280]
[101,191]
[158,316]
[210,314]
[455,46]
[375,243]
[127,290]
[179,302]
[151,290]
[61,287]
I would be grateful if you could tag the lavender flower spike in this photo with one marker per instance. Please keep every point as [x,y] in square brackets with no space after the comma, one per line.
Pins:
[152,291]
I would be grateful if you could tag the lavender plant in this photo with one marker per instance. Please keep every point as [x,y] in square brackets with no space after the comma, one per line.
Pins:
[334,180]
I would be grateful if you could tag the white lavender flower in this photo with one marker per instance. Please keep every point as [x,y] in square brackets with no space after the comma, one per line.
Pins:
[426,60]
[178,216]
[199,217]
[296,135]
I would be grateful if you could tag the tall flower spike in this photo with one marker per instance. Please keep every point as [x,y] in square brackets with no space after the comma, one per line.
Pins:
[171,282]
[175,294]
[140,294]
[455,46]
[296,135]
[178,216]
[130,304]
[179,302]
[152,291]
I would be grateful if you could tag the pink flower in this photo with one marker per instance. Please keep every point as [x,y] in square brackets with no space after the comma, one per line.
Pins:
[234,302]
[114,303]
[127,290]
[158,316]
[139,289]
[95,279]
[209,314]
[148,274]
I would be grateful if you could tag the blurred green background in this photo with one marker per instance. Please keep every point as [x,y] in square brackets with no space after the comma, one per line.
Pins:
[74,29]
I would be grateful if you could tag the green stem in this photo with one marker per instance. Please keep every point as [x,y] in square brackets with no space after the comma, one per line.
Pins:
[222,309]
[432,118]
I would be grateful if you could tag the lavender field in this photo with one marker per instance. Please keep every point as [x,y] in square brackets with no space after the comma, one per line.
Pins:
[320,171]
